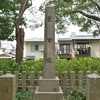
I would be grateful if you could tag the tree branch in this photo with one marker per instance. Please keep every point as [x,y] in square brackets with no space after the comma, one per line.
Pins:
[96,4]
[24,5]
[89,16]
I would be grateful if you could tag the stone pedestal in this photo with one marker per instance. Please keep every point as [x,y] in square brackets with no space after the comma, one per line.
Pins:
[7,87]
[49,95]
[93,87]
[51,85]
[48,88]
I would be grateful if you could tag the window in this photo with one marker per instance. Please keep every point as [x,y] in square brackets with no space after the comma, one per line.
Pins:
[41,47]
[82,48]
[34,47]
[65,48]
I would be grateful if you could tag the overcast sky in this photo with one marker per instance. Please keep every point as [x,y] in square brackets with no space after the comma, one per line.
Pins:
[39,32]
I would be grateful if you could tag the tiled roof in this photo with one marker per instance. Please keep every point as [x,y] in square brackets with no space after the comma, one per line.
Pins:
[85,37]
[64,37]
[34,39]
[74,36]
[7,45]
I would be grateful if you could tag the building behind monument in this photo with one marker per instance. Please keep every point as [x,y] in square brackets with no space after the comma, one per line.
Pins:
[67,47]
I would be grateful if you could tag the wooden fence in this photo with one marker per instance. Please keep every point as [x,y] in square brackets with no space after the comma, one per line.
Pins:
[67,80]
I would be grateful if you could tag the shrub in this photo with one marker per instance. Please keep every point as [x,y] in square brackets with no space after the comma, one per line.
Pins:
[25,95]
[81,64]
[77,93]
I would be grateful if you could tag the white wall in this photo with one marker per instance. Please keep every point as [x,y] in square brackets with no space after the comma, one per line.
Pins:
[37,53]
[24,52]
[95,48]
[1,51]
[72,49]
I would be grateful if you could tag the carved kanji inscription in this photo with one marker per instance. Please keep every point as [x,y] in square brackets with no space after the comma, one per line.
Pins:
[49,18]
[49,39]
[49,60]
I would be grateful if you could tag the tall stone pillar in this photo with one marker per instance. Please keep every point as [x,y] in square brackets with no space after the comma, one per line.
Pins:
[48,88]
[49,43]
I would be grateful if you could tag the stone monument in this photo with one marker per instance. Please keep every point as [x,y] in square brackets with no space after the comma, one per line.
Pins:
[48,88]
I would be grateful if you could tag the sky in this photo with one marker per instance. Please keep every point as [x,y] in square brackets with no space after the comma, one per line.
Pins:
[28,32]
[39,32]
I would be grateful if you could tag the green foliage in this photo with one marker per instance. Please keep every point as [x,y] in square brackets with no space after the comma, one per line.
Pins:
[77,93]
[25,95]
[83,13]
[31,65]
[8,65]
[84,64]
[7,18]
[8,13]
[61,65]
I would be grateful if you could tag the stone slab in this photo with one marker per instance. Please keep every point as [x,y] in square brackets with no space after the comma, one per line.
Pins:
[7,87]
[48,85]
[93,87]
[49,95]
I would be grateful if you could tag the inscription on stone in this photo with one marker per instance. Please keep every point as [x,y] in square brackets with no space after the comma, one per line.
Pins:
[5,90]
[49,39]
[49,18]
[55,89]
[49,60]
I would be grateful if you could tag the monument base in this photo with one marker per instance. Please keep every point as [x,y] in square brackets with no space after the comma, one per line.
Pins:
[49,95]
[48,85]
[48,89]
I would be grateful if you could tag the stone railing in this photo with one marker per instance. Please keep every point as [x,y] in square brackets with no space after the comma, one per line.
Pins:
[91,82]
[67,80]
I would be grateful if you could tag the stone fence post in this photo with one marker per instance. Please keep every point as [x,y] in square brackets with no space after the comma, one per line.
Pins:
[7,87]
[93,87]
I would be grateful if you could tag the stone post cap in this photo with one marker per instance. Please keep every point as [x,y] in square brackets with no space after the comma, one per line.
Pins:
[8,75]
[93,75]
[50,5]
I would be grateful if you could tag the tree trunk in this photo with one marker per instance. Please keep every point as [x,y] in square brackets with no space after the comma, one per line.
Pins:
[0,43]
[20,31]
[19,45]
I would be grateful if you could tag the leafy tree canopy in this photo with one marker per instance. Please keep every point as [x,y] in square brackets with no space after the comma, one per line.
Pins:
[9,10]
[83,13]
